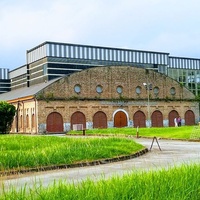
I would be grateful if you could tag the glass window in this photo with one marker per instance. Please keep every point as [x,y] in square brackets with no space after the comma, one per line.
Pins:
[77,88]
[119,89]
[99,89]
[172,91]
[44,69]
[156,90]
[198,76]
[138,90]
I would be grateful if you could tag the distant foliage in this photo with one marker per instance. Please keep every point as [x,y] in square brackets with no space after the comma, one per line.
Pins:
[7,113]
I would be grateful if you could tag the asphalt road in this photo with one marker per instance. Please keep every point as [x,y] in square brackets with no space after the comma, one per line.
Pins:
[172,153]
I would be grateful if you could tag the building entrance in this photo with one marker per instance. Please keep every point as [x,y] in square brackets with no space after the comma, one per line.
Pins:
[120,119]
[54,123]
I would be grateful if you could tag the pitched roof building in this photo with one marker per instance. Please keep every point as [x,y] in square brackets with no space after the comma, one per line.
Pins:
[102,97]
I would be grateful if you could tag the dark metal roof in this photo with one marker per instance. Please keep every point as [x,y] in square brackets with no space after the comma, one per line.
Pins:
[25,91]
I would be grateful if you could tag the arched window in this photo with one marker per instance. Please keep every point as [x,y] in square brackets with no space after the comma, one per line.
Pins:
[27,121]
[21,121]
[33,121]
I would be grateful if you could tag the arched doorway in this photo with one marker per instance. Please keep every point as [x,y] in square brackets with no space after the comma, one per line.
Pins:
[99,120]
[78,118]
[189,118]
[157,119]
[139,119]
[54,123]
[173,114]
[120,119]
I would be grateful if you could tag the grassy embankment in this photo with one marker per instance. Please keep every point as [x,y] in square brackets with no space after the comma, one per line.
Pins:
[183,132]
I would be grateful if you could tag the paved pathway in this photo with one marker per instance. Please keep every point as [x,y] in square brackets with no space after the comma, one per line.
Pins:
[173,152]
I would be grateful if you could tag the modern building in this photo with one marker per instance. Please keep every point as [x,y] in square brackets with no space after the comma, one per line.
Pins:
[186,71]
[4,80]
[51,60]
[89,85]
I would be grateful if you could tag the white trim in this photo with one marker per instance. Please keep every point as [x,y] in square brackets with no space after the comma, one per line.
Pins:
[124,112]
[36,72]
[38,77]
[37,66]
[76,63]
[14,86]
[64,69]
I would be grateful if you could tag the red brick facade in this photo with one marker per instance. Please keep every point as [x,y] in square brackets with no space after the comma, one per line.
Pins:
[112,96]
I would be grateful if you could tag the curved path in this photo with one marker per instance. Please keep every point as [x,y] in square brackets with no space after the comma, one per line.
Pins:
[172,153]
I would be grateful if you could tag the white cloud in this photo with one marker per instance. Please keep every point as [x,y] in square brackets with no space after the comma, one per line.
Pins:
[169,26]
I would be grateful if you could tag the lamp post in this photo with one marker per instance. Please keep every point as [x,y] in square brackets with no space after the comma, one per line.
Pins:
[148,87]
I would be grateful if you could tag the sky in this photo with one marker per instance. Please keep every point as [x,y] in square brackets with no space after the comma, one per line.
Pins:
[171,26]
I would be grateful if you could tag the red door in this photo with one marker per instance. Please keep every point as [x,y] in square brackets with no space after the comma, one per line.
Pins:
[172,115]
[100,120]
[189,118]
[120,119]
[157,119]
[139,119]
[78,118]
[54,123]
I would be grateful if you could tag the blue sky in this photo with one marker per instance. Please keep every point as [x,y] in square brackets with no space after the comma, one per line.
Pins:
[170,26]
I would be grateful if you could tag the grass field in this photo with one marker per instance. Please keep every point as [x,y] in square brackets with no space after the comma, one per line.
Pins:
[18,151]
[183,132]
[178,183]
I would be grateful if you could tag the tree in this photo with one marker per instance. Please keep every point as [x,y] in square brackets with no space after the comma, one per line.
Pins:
[7,113]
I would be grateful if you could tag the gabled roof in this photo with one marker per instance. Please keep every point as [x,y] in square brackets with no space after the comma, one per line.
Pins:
[25,92]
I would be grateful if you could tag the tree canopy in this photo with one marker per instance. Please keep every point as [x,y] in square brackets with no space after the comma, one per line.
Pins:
[7,113]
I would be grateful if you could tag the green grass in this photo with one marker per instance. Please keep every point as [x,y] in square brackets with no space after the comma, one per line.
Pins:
[17,151]
[177,183]
[183,132]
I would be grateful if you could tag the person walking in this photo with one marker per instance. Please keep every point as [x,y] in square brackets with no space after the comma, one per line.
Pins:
[175,122]
[179,121]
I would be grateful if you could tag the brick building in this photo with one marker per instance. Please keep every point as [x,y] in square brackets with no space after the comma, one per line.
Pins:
[102,97]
